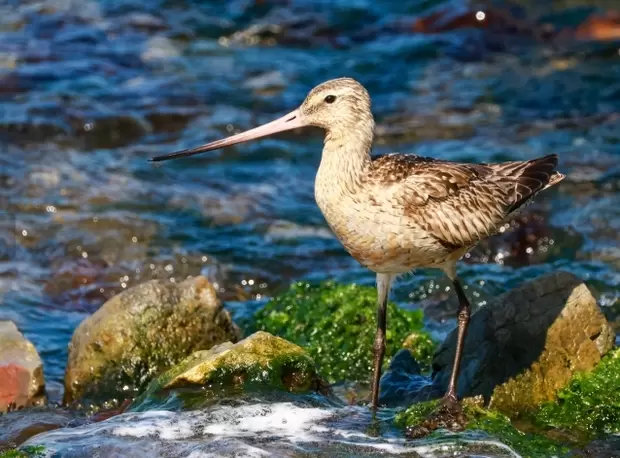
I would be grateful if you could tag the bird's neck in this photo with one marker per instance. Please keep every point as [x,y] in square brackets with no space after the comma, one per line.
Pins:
[346,154]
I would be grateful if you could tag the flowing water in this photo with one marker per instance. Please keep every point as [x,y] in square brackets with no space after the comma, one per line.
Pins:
[90,89]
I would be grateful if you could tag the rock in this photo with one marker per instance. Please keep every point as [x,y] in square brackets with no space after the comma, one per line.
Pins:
[259,361]
[21,370]
[17,427]
[600,27]
[526,345]
[608,447]
[485,425]
[142,332]
[337,324]
[402,381]
[589,406]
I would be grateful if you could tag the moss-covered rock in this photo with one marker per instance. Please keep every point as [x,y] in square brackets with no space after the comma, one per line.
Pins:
[493,423]
[259,362]
[337,325]
[587,408]
[527,344]
[142,332]
[590,403]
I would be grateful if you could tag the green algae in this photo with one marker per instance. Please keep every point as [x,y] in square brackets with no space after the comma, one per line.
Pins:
[337,324]
[422,347]
[415,413]
[29,451]
[590,403]
[499,426]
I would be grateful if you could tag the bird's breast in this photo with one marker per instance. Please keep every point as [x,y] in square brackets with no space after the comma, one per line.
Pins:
[377,235]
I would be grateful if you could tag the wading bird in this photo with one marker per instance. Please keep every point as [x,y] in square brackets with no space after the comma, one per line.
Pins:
[397,212]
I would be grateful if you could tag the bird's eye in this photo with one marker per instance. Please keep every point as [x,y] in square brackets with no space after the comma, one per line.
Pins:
[330,99]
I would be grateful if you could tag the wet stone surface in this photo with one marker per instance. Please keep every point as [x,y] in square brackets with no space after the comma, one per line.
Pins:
[140,333]
[19,426]
[21,370]
[526,345]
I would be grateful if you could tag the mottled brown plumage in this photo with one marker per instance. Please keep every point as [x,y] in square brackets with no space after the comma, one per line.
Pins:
[478,197]
[398,212]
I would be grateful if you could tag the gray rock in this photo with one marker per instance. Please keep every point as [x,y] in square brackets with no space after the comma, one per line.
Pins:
[17,427]
[21,370]
[525,345]
[140,333]
[403,380]
[608,447]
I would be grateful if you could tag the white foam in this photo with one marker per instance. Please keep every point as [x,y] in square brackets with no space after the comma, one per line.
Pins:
[162,424]
[281,419]
[252,430]
[237,448]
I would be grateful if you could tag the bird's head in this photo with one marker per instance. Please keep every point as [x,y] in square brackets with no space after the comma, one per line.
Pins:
[338,106]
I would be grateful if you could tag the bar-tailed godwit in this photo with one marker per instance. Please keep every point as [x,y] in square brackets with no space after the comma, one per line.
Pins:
[398,212]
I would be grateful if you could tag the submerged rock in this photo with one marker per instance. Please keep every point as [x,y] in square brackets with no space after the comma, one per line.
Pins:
[141,332]
[402,381]
[259,361]
[21,370]
[18,427]
[337,325]
[526,345]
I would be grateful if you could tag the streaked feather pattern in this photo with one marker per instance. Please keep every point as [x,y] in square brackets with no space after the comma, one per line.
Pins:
[459,204]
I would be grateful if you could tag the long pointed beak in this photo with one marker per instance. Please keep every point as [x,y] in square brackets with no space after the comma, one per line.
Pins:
[290,121]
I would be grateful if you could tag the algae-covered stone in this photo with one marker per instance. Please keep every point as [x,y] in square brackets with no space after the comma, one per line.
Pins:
[260,361]
[526,345]
[590,403]
[141,332]
[337,325]
[21,370]
[532,444]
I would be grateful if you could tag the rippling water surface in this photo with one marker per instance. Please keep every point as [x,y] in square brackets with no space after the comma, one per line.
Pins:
[90,89]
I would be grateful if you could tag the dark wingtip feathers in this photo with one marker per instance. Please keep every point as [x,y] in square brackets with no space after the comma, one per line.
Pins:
[534,176]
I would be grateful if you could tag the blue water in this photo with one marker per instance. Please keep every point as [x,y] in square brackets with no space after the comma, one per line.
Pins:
[89,90]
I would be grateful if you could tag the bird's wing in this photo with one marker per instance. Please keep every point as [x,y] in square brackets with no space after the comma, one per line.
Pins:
[459,204]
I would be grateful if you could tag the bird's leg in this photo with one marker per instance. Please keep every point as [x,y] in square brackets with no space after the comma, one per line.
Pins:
[463,315]
[384,282]
[449,414]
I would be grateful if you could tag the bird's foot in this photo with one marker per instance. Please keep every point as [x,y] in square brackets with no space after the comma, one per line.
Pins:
[448,414]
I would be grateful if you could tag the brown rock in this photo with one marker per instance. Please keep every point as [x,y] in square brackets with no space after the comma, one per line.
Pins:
[526,345]
[21,370]
[600,27]
[141,332]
